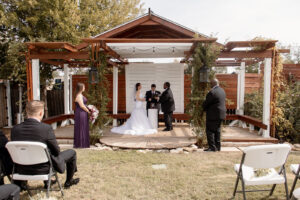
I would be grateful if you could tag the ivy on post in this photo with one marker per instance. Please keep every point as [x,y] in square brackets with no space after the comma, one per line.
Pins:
[97,90]
[203,58]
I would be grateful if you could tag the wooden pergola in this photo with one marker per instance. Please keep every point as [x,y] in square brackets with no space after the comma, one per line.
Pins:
[151,31]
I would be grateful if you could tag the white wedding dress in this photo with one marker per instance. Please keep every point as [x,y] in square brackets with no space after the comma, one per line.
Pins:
[138,123]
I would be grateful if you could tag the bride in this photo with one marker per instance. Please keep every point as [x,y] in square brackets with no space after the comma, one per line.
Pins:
[138,123]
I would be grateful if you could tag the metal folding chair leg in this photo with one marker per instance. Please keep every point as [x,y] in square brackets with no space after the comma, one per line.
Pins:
[59,185]
[243,188]
[285,184]
[236,185]
[295,182]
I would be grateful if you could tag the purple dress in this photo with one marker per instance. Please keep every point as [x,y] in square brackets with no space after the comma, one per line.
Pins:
[81,128]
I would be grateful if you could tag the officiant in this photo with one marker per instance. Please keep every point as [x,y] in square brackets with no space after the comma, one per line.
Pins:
[152,102]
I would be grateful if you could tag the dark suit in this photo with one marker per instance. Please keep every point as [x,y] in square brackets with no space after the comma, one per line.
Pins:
[6,164]
[9,192]
[33,130]
[214,105]
[167,106]
[150,95]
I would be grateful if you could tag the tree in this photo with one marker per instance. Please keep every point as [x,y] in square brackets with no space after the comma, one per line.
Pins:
[99,16]
[55,20]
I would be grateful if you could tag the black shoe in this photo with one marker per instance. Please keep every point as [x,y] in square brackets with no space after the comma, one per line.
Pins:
[209,150]
[68,184]
[171,128]
[46,183]
[166,129]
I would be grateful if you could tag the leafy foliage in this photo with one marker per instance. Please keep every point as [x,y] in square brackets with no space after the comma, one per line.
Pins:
[205,54]
[253,105]
[286,105]
[98,94]
[55,20]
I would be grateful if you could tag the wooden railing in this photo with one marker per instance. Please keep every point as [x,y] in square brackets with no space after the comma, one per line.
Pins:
[177,116]
[58,118]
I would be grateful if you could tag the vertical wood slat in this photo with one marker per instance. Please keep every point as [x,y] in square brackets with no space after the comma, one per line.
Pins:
[3,109]
[228,82]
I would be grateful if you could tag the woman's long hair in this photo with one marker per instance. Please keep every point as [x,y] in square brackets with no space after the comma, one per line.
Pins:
[79,89]
[137,86]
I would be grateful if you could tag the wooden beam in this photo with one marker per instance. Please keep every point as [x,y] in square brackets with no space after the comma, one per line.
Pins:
[283,50]
[252,43]
[246,54]
[111,52]
[173,26]
[138,40]
[51,45]
[84,55]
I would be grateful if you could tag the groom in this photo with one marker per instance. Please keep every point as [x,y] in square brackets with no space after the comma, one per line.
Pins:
[167,105]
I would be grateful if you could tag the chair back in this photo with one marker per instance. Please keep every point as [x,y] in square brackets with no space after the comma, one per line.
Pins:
[266,156]
[27,153]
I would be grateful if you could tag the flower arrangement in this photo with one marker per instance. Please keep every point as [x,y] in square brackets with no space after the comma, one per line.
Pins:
[94,113]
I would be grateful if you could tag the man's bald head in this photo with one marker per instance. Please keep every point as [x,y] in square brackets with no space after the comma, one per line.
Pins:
[214,82]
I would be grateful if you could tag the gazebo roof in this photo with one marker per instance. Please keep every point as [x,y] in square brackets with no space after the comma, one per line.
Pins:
[149,36]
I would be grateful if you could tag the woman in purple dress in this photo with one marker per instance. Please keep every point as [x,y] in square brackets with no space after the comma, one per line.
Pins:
[81,128]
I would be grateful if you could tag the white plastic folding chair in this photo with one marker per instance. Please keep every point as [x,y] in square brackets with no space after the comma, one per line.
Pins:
[262,157]
[295,168]
[296,194]
[32,153]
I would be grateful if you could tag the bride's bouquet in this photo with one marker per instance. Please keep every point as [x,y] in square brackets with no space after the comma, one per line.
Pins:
[94,113]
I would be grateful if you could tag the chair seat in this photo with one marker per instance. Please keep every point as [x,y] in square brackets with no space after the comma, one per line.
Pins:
[249,177]
[296,193]
[294,168]
[21,177]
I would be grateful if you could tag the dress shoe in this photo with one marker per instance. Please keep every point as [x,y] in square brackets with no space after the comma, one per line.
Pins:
[68,184]
[166,129]
[46,183]
[209,150]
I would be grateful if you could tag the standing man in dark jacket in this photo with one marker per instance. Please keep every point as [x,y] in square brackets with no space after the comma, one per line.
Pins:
[167,105]
[32,129]
[214,105]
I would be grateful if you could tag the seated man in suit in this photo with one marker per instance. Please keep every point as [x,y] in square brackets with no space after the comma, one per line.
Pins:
[32,129]
[6,164]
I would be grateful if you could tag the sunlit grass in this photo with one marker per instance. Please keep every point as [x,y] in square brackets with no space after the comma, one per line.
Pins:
[129,175]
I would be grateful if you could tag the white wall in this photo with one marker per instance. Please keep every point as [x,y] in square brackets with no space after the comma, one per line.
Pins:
[158,73]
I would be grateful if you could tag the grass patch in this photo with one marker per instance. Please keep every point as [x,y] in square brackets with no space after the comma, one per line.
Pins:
[129,175]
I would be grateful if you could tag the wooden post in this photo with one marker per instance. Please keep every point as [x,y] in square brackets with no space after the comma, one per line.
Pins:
[29,77]
[8,103]
[242,89]
[66,89]
[115,93]
[267,96]
[36,93]
[19,116]
[71,94]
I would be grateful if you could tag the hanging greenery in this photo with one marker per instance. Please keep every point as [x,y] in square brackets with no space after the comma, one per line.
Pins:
[204,55]
[98,94]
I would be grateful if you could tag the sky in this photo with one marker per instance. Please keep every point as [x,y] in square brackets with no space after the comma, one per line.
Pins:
[233,20]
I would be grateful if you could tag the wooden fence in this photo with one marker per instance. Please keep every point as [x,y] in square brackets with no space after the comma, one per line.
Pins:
[227,81]
[55,101]
[3,107]
[292,69]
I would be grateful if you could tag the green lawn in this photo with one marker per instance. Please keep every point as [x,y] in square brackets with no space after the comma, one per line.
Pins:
[129,175]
